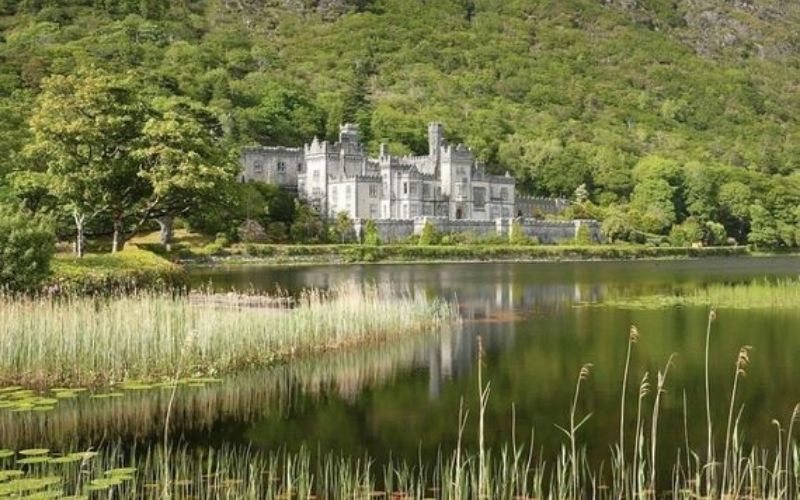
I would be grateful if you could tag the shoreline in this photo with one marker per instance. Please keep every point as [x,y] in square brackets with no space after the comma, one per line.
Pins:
[310,255]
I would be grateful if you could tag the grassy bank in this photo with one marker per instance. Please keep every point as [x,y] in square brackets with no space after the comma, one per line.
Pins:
[762,294]
[279,254]
[79,341]
[126,271]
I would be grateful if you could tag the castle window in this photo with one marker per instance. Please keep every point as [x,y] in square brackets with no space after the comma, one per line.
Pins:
[258,168]
[504,194]
[426,190]
[479,198]
[315,173]
[281,167]
[405,188]
[299,167]
[373,190]
[413,188]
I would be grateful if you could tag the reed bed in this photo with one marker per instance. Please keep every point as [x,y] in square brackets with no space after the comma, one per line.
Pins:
[80,341]
[242,398]
[759,294]
[511,472]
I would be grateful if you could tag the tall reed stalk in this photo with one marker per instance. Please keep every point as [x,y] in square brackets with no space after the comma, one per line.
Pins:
[712,316]
[633,337]
[742,360]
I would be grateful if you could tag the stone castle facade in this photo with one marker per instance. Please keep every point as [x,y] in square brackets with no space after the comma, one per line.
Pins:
[338,177]
[448,185]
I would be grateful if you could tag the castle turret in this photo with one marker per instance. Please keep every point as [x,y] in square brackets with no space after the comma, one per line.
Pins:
[348,133]
[435,139]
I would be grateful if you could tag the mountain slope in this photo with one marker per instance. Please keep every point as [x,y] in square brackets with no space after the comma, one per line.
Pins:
[559,92]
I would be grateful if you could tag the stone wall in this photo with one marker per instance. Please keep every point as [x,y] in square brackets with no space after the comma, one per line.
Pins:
[546,232]
[274,165]
[531,206]
[389,230]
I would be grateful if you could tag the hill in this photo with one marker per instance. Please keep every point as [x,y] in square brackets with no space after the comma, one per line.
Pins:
[692,99]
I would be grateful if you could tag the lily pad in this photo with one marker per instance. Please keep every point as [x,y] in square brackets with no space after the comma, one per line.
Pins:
[34,452]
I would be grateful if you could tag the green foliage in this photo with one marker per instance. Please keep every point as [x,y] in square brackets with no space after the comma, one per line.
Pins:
[127,271]
[429,235]
[517,236]
[342,228]
[371,236]
[366,253]
[583,236]
[764,231]
[27,244]
[686,234]
[652,200]
[307,226]
[536,88]
[715,234]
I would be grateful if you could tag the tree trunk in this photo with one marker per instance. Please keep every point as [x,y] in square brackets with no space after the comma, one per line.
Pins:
[80,238]
[167,231]
[118,243]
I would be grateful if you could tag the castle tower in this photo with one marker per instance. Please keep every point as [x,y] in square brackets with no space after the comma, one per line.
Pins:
[435,139]
[348,133]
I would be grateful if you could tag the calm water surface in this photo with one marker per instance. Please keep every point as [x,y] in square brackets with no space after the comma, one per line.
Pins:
[538,331]
[538,328]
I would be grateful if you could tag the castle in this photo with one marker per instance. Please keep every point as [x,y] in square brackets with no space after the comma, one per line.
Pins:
[447,186]
[338,177]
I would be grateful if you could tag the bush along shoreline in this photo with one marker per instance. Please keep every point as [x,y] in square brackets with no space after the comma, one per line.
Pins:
[354,253]
[129,271]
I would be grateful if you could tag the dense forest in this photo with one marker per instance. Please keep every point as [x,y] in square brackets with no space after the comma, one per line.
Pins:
[676,118]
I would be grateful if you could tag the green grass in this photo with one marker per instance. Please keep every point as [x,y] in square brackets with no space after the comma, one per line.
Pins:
[86,341]
[411,253]
[131,269]
[762,294]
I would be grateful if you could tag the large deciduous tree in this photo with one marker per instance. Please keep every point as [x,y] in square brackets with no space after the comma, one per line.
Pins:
[183,160]
[84,127]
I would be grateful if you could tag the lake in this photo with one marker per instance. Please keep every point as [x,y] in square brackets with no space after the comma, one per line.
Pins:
[539,323]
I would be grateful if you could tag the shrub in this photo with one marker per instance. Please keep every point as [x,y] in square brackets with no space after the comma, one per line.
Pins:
[343,228]
[27,244]
[107,274]
[307,226]
[583,235]
[715,234]
[686,233]
[429,236]
[251,231]
[517,235]
[276,232]
[371,236]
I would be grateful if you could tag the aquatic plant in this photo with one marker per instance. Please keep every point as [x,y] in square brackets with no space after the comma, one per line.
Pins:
[80,341]
[758,294]
[510,471]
